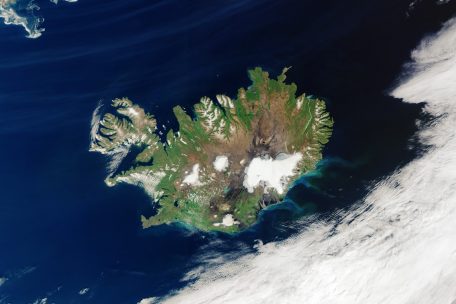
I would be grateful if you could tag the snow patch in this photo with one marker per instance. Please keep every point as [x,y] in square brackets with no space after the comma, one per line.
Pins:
[271,173]
[22,13]
[133,112]
[193,178]
[299,102]
[221,163]
[227,221]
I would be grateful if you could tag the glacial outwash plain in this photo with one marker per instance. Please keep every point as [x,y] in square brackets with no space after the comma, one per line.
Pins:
[228,159]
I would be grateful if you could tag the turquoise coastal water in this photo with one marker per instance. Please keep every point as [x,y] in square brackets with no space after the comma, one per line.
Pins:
[62,230]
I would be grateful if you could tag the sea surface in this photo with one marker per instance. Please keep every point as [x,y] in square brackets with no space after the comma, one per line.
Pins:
[62,230]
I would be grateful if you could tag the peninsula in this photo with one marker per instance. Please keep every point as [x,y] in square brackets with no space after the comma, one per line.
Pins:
[228,159]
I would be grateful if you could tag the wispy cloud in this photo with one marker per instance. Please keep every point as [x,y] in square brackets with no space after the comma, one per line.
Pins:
[41,301]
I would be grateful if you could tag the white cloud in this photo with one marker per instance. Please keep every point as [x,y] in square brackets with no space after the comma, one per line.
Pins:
[84,291]
[398,246]
[57,1]
[148,301]
[95,123]
[41,301]
[116,156]
[3,280]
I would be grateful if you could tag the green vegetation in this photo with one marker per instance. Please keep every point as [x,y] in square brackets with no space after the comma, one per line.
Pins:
[179,173]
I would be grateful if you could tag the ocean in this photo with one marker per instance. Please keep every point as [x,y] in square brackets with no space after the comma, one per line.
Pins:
[63,230]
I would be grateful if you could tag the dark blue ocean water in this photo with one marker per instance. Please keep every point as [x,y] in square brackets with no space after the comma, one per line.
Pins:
[62,229]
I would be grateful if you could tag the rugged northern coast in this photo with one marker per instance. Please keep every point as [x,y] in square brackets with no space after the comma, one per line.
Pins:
[233,158]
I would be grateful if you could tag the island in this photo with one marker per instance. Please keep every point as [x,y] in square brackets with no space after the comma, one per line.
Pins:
[227,160]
